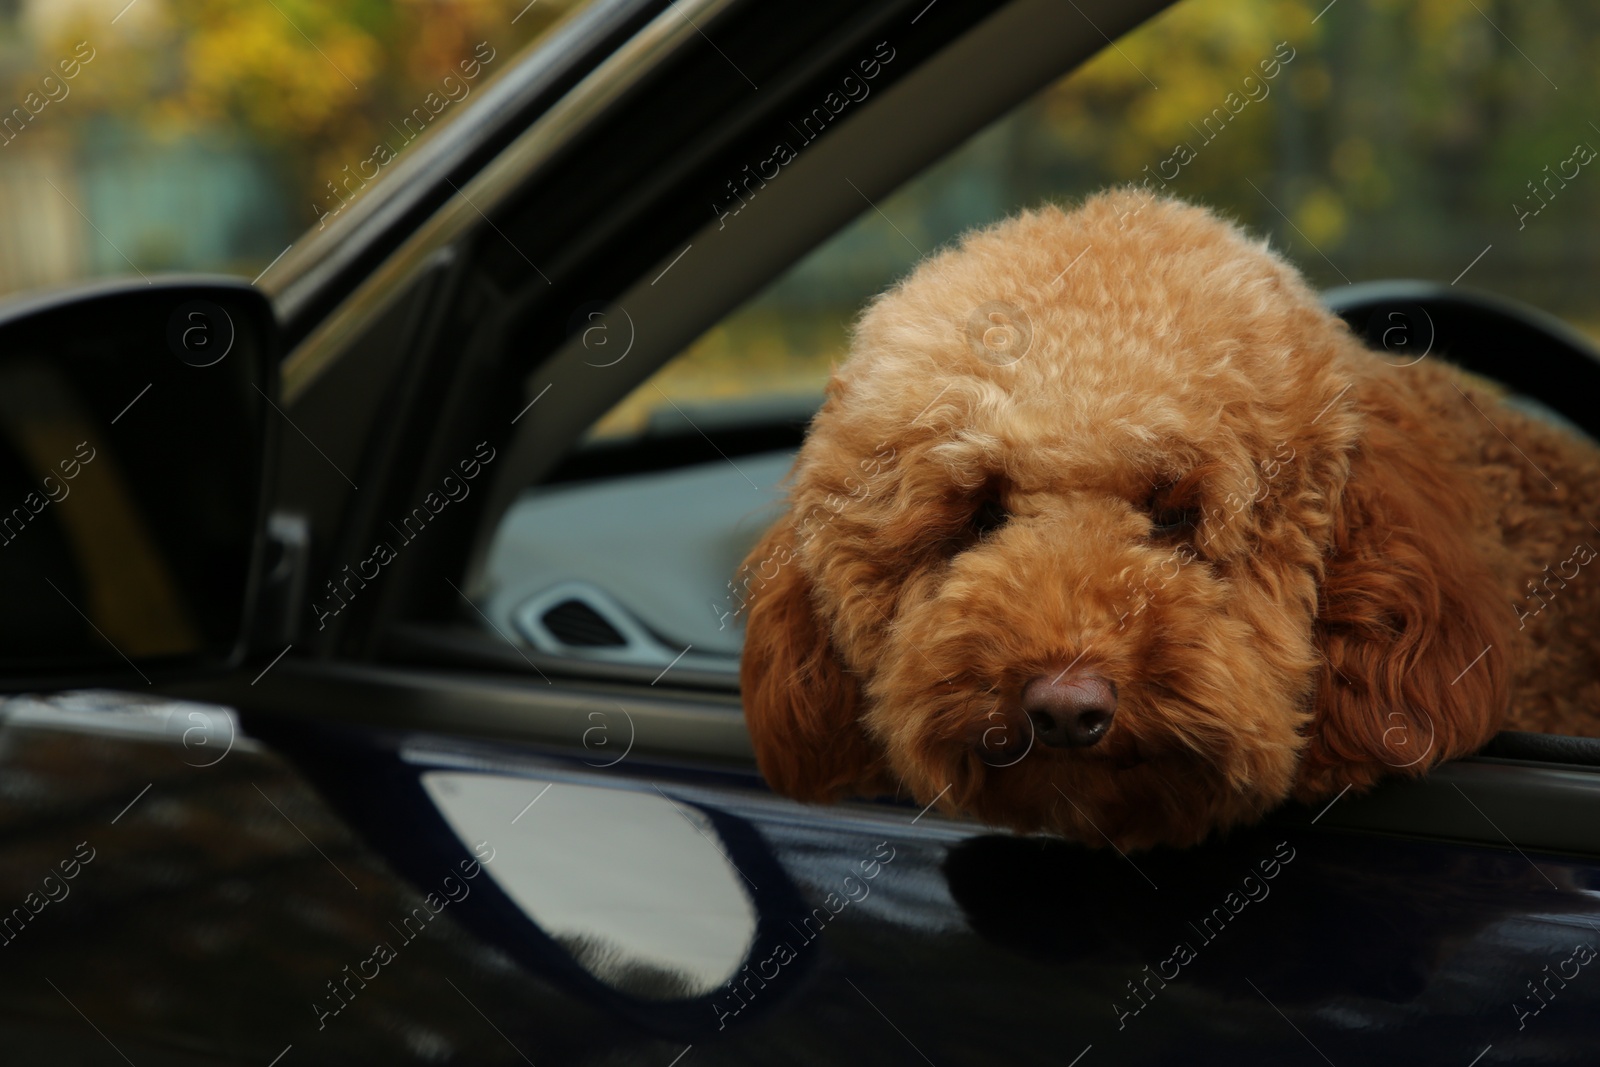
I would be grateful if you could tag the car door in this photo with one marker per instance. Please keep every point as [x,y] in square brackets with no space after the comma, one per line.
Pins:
[452,842]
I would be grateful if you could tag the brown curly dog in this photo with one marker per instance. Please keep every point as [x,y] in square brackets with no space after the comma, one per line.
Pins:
[1109,528]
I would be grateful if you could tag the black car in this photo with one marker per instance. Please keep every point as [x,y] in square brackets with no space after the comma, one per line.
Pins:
[376,662]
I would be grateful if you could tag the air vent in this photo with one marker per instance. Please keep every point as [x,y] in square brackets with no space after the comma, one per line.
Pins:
[576,620]
[574,623]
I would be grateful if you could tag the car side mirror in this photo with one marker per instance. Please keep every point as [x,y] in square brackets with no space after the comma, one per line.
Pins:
[134,444]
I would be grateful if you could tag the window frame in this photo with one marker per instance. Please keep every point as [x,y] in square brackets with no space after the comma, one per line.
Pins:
[470,343]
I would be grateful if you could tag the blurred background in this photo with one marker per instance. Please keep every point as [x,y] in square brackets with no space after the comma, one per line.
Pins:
[1401,140]
[209,134]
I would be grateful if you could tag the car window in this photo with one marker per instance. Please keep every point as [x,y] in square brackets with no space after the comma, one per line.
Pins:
[197,135]
[1367,140]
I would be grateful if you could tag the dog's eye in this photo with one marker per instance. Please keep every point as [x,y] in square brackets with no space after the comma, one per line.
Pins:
[1170,515]
[1165,522]
[989,517]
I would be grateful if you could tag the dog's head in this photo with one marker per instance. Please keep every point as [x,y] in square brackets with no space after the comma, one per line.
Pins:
[1107,528]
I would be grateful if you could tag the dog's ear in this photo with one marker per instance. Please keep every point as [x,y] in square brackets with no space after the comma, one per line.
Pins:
[801,707]
[1412,623]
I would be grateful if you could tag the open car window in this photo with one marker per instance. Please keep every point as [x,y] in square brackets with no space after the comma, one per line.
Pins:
[1369,141]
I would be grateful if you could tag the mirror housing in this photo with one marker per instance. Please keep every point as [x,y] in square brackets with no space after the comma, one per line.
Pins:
[135,442]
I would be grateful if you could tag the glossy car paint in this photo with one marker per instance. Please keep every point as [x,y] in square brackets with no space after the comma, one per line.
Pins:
[238,888]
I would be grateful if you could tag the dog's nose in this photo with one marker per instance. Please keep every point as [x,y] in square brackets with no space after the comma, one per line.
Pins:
[1070,712]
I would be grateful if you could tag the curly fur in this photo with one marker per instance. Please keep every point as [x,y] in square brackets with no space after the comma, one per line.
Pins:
[1341,610]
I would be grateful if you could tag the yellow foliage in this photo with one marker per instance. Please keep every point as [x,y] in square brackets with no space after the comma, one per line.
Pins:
[312,81]
[1170,73]
[246,65]
[1321,216]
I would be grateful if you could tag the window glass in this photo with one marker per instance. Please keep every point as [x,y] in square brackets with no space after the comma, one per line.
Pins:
[1367,139]
[206,135]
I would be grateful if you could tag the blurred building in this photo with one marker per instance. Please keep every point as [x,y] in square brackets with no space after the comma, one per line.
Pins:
[86,194]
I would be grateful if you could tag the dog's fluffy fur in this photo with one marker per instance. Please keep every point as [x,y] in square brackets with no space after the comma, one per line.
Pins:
[972,509]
